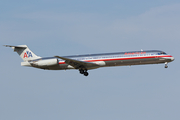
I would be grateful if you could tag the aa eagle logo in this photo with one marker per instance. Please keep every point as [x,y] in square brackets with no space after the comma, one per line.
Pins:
[27,54]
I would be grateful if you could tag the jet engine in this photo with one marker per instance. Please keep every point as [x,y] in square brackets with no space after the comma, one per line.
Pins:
[45,63]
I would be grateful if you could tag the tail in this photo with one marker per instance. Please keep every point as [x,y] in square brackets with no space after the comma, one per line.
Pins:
[24,52]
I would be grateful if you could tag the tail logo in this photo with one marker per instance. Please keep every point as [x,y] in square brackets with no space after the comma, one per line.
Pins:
[27,54]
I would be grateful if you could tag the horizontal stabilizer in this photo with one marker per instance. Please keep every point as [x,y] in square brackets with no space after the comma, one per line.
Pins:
[20,46]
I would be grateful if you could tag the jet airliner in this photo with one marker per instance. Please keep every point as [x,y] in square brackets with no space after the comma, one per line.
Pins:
[83,63]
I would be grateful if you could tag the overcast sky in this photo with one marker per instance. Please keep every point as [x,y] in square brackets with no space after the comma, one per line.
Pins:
[55,27]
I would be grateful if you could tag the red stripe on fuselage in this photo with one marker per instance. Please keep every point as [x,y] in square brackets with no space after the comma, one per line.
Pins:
[128,58]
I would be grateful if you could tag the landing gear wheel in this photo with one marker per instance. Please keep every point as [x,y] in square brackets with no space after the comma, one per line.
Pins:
[86,73]
[81,71]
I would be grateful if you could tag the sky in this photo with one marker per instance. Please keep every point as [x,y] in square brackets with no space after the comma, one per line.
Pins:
[55,27]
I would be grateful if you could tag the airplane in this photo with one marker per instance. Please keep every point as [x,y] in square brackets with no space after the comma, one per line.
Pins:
[83,63]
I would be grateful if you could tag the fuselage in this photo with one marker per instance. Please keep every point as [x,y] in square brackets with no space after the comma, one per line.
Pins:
[83,63]
[108,59]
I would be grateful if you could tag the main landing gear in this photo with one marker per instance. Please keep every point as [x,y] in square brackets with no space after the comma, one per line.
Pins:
[84,72]
[166,66]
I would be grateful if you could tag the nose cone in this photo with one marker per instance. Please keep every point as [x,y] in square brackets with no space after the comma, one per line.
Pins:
[172,58]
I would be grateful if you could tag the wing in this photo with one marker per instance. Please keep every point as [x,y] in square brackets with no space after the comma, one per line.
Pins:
[79,64]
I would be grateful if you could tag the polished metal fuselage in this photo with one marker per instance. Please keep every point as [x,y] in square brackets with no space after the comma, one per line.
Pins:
[116,59]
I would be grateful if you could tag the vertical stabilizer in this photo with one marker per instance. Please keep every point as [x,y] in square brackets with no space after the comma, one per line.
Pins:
[24,52]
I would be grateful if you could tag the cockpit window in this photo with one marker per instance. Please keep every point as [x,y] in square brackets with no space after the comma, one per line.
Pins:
[163,53]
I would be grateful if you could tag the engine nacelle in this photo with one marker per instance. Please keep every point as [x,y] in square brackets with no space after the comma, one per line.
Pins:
[46,63]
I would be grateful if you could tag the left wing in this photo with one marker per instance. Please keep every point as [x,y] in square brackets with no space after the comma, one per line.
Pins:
[78,64]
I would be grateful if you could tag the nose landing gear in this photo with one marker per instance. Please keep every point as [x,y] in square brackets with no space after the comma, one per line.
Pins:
[84,72]
[166,66]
